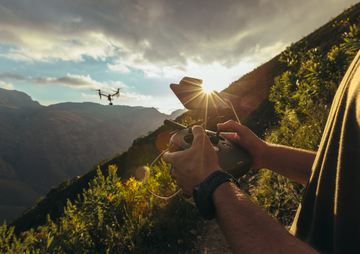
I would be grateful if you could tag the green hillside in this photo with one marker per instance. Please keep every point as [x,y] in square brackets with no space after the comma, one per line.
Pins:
[285,101]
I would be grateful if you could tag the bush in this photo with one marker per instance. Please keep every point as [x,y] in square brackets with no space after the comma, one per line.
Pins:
[302,96]
[112,216]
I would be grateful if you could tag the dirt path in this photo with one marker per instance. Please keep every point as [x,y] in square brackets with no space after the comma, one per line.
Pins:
[210,240]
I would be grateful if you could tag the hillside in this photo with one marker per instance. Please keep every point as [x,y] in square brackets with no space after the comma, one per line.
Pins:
[42,146]
[249,95]
[250,92]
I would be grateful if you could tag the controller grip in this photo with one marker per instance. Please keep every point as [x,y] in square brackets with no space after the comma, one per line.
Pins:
[233,159]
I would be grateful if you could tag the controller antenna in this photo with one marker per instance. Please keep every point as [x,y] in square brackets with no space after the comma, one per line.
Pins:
[217,132]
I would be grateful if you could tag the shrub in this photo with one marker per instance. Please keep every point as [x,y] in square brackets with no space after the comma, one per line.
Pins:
[112,216]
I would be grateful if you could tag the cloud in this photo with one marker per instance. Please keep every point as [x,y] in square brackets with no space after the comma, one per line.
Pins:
[90,96]
[7,86]
[166,106]
[125,97]
[118,84]
[156,35]
[135,97]
[75,81]
[119,67]
[168,103]
[14,76]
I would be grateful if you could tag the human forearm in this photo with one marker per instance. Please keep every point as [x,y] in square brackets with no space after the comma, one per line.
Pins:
[248,229]
[290,162]
[293,163]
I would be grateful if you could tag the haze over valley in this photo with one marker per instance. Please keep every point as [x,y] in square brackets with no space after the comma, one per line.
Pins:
[41,146]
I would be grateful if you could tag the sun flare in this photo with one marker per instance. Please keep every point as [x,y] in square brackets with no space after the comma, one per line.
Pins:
[207,89]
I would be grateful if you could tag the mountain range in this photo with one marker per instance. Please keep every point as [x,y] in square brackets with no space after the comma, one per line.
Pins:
[41,146]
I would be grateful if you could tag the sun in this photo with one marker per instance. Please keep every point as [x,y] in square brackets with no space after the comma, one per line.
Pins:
[207,89]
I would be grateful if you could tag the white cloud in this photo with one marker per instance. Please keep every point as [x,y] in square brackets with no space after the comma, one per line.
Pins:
[135,97]
[118,67]
[90,96]
[164,104]
[7,86]
[75,81]
[155,35]
[17,57]
[42,45]
[265,53]
[125,97]
[118,84]
[215,76]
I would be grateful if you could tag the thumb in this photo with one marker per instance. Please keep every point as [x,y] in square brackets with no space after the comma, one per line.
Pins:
[171,157]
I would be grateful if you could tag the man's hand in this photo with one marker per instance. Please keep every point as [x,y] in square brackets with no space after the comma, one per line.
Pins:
[193,165]
[290,162]
[247,228]
[246,139]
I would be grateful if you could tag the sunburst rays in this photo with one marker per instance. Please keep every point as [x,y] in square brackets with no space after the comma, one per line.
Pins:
[193,97]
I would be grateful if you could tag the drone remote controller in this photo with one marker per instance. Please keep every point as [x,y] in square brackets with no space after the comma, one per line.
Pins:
[232,158]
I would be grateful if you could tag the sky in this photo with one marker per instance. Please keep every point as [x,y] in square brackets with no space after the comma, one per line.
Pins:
[62,51]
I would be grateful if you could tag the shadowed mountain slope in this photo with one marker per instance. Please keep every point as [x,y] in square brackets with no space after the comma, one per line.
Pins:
[43,146]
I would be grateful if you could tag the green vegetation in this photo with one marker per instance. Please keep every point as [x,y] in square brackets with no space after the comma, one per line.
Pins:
[302,97]
[55,201]
[113,216]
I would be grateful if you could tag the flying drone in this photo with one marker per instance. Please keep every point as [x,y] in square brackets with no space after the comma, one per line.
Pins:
[109,96]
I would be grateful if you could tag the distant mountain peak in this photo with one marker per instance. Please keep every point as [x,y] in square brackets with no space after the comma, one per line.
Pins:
[15,99]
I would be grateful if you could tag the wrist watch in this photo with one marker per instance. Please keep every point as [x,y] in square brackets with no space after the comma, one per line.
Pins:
[202,192]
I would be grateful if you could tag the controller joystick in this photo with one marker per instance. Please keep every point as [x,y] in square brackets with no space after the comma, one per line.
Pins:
[232,158]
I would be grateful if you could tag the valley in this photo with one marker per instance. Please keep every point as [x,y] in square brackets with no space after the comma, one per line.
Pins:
[42,146]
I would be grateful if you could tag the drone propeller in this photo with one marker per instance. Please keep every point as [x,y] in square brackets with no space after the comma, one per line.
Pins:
[109,95]
[116,93]
[98,91]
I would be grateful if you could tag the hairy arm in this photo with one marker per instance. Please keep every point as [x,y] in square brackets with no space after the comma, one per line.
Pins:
[248,229]
[290,162]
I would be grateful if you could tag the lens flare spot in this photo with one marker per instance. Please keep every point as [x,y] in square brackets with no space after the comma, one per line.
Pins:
[163,140]
[142,172]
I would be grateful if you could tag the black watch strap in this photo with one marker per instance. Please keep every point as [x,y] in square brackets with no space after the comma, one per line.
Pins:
[202,193]
[217,178]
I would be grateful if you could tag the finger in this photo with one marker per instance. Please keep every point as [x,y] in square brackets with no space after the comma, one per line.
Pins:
[227,125]
[232,125]
[197,130]
[199,137]
[168,157]
[232,136]
[171,157]
[174,143]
